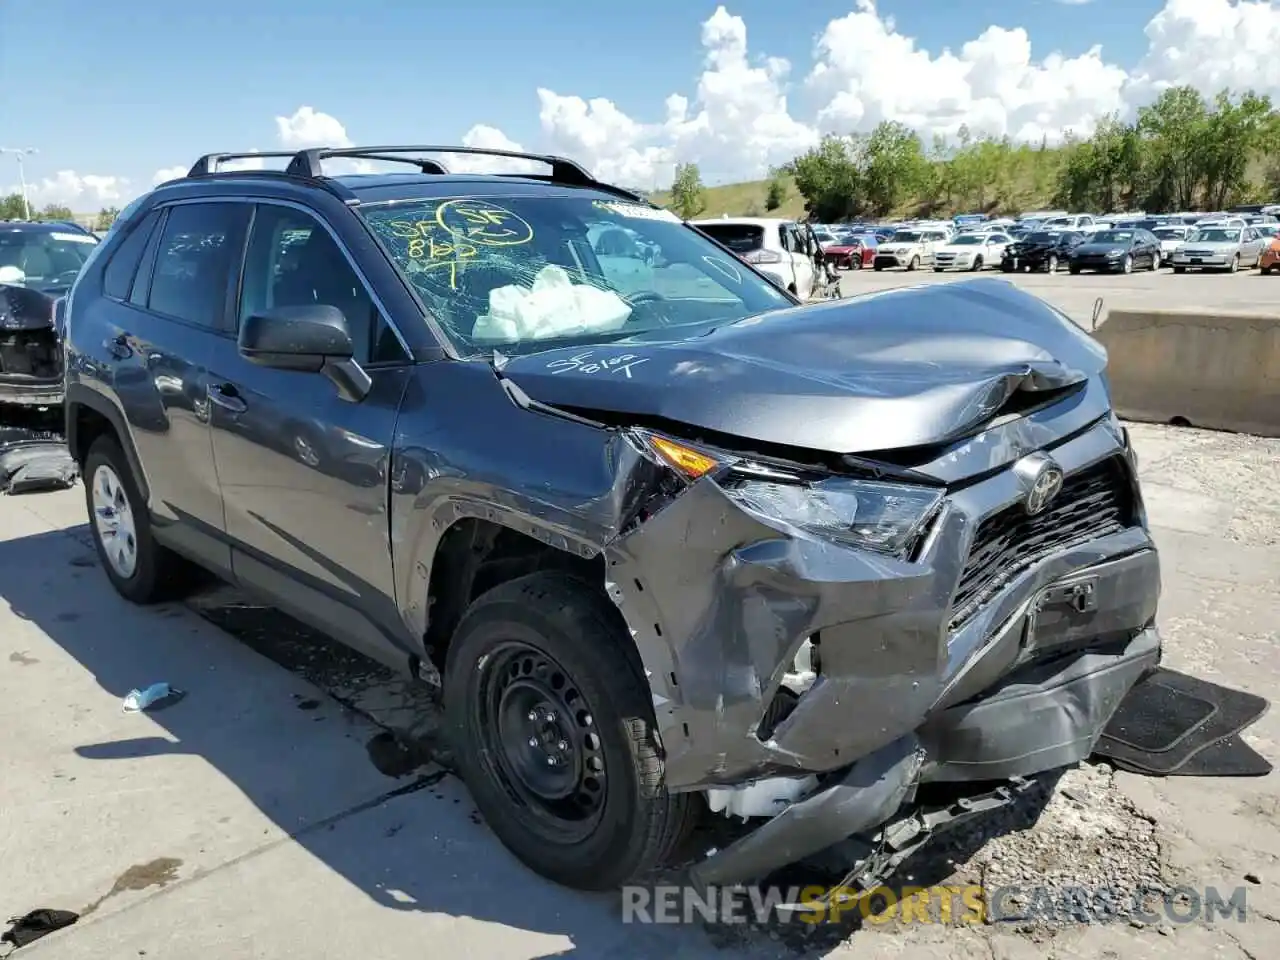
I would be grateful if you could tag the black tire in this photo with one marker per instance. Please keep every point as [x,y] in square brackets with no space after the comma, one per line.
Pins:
[1179,269]
[555,626]
[977,264]
[1234,265]
[159,574]
[1073,269]
[937,269]
[914,263]
[877,267]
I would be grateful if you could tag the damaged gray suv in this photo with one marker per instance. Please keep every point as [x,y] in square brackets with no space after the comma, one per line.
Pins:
[668,541]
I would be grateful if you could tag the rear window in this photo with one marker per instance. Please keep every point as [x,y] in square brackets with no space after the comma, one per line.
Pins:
[738,237]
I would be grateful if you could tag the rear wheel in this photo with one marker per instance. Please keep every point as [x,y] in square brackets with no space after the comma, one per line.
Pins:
[914,264]
[1053,264]
[977,264]
[1126,265]
[553,727]
[140,569]
[1234,265]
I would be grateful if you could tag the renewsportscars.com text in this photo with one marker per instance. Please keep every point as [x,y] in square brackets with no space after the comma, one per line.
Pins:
[936,904]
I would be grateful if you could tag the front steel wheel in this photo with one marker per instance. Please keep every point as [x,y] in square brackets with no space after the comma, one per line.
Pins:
[538,739]
[553,726]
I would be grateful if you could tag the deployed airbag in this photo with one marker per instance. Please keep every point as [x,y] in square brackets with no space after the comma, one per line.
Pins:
[554,306]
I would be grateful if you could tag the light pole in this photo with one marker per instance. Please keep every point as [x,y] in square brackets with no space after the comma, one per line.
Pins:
[20,153]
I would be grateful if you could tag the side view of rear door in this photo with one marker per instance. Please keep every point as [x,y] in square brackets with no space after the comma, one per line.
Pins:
[801,261]
[159,329]
[788,265]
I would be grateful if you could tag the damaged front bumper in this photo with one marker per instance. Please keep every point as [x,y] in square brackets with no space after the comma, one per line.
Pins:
[999,650]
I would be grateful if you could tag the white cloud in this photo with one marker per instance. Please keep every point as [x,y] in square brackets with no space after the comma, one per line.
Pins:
[870,72]
[168,173]
[83,193]
[740,118]
[1210,44]
[865,70]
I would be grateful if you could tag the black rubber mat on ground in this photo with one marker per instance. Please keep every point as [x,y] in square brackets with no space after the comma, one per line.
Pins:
[1172,724]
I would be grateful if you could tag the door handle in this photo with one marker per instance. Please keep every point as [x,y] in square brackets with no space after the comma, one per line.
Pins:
[118,346]
[225,396]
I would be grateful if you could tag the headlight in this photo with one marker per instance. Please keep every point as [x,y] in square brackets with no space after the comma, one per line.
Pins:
[885,517]
[871,514]
[1114,253]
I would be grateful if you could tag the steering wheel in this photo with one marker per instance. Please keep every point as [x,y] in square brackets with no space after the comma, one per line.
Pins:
[650,297]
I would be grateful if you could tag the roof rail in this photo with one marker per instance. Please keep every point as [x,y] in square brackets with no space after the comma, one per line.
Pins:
[210,162]
[306,163]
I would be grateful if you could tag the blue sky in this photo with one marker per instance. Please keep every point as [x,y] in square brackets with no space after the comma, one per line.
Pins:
[123,89]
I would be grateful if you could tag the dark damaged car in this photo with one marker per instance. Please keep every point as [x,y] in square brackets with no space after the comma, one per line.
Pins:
[668,541]
[38,264]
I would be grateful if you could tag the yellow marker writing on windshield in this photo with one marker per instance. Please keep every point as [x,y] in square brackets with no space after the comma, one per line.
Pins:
[484,223]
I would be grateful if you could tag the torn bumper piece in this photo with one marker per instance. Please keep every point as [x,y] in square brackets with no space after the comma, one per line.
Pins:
[1048,716]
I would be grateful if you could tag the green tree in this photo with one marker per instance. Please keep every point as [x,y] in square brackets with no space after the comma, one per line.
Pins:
[1174,129]
[895,167]
[776,195]
[56,211]
[106,217]
[11,207]
[688,197]
[829,178]
[1234,133]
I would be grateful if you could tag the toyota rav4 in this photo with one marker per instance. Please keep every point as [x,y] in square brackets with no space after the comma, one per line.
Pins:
[667,540]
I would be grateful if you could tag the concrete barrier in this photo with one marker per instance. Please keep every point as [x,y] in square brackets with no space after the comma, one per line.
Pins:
[1215,370]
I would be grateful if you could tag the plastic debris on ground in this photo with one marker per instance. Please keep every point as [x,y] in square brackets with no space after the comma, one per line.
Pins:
[34,925]
[35,460]
[155,697]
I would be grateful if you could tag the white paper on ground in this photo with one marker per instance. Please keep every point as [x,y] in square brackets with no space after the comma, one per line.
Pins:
[554,306]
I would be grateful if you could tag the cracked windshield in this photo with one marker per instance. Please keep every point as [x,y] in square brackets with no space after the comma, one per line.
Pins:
[516,272]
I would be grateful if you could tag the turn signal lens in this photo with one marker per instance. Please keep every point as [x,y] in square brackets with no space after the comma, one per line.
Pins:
[688,461]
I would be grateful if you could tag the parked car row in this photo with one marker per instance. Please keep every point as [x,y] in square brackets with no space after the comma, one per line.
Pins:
[1225,248]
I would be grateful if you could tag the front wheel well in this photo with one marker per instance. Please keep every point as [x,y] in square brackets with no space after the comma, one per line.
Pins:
[476,555]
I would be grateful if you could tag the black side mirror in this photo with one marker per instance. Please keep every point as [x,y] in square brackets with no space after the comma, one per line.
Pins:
[312,338]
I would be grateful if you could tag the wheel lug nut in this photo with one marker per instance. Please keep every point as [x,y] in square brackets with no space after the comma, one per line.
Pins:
[533,741]
[551,716]
[551,761]
[562,745]
[533,714]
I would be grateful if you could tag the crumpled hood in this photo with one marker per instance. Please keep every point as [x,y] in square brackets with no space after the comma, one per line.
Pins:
[892,369]
[25,308]
[1026,246]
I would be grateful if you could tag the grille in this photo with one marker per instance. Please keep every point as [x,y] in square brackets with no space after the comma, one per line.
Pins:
[1094,502]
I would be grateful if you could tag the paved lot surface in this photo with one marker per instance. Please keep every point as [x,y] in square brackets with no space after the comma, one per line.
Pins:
[1075,295]
[248,820]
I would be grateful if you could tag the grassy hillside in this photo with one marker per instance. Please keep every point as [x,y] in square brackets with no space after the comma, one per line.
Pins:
[743,200]
[1026,185]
